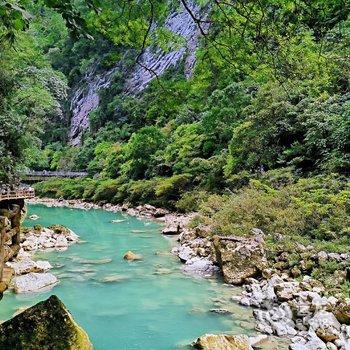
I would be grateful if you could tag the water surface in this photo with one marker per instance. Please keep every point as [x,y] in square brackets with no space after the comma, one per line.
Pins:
[149,304]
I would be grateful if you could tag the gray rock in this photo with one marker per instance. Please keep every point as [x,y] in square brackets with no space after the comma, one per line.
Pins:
[325,325]
[185,253]
[33,282]
[21,267]
[46,325]
[286,290]
[200,266]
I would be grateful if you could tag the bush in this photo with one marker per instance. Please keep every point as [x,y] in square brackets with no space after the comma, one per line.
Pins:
[191,201]
[310,210]
[106,190]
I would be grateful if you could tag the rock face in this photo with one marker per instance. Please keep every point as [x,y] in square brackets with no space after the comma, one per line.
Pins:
[85,99]
[222,342]
[152,63]
[240,258]
[181,23]
[33,282]
[46,325]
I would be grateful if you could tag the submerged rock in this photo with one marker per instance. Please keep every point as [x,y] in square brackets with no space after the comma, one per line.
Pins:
[222,342]
[117,221]
[96,262]
[33,282]
[46,325]
[113,278]
[221,311]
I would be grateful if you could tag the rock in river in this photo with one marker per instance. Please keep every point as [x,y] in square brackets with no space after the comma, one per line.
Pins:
[222,342]
[46,325]
[33,282]
[23,266]
[131,256]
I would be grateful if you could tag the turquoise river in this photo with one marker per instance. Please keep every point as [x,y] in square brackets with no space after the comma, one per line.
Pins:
[149,304]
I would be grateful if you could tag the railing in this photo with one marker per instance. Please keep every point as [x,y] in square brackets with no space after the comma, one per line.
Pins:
[16,193]
[45,173]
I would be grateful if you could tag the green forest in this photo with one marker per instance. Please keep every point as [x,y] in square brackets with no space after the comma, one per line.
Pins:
[258,135]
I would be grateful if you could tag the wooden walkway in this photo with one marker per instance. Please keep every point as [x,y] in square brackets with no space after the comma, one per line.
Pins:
[22,192]
[61,174]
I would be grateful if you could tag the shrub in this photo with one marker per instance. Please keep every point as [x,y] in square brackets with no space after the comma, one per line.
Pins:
[312,210]
[191,201]
[106,190]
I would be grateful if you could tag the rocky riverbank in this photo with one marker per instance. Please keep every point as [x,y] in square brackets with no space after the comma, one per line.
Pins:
[302,310]
[31,275]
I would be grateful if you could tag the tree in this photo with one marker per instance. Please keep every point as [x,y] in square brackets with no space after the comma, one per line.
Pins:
[140,151]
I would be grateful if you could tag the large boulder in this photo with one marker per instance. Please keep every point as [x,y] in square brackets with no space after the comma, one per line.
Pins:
[23,266]
[46,325]
[222,342]
[34,282]
[325,325]
[240,257]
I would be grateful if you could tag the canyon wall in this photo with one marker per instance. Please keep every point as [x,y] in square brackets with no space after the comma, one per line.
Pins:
[152,63]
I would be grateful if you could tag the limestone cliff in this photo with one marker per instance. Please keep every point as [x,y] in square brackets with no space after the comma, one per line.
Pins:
[153,62]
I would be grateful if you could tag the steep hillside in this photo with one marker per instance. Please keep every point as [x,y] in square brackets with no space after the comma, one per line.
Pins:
[152,62]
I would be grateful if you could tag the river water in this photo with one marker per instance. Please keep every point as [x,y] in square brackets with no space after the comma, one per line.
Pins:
[149,304]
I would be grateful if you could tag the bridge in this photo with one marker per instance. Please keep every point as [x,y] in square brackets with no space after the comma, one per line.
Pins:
[21,192]
[37,176]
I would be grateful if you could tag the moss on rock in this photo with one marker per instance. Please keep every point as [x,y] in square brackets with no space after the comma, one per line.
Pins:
[46,325]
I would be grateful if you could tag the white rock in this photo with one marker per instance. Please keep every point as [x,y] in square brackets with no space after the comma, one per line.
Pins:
[298,346]
[22,267]
[331,346]
[185,253]
[282,329]
[200,266]
[43,265]
[325,325]
[61,241]
[33,282]
[258,340]
[48,244]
